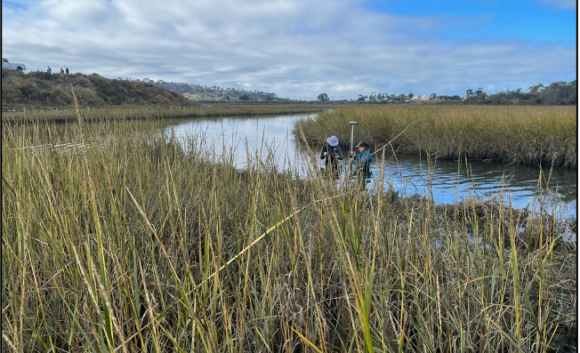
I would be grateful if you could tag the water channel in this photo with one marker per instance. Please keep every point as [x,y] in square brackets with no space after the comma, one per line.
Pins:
[246,140]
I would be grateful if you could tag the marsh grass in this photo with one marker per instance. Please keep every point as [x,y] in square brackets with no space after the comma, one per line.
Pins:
[148,113]
[133,245]
[530,135]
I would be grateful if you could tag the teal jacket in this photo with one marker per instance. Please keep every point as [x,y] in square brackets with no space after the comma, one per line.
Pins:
[362,163]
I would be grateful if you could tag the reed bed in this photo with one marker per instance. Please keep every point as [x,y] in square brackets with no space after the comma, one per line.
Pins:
[132,245]
[147,113]
[538,135]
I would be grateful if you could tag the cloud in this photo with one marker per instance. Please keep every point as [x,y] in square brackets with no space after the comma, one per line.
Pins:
[296,49]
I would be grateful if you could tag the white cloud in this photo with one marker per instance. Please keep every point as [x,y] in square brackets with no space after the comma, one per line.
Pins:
[296,49]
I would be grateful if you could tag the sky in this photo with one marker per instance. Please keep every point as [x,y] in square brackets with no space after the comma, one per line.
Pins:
[301,48]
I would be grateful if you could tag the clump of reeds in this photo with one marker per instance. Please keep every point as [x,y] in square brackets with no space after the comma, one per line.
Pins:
[132,244]
[68,114]
[538,135]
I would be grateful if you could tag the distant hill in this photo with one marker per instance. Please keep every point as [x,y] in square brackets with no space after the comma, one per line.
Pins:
[43,89]
[214,93]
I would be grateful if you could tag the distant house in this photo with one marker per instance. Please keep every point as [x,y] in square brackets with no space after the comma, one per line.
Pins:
[187,94]
[420,98]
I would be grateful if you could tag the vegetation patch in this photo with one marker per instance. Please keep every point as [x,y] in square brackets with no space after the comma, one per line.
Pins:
[124,242]
[42,89]
[133,112]
[530,135]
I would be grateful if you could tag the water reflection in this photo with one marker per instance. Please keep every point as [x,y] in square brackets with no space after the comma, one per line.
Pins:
[449,182]
[244,140]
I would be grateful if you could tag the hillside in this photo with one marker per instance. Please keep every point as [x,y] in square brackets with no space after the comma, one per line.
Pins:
[215,93]
[54,90]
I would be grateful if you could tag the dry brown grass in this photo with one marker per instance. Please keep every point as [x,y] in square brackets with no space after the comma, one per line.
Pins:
[531,135]
[154,113]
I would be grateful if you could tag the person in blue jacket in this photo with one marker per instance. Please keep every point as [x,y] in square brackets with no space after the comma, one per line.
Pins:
[332,153]
[362,161]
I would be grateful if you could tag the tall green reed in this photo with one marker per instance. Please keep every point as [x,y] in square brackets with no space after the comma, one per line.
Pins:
[135,243]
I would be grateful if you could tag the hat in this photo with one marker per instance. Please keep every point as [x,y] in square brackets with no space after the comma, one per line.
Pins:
[332,140]
[363,144]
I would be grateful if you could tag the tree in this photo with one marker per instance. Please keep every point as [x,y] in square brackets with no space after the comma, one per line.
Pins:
[553,93]
[361,98]
[433,95]
[536,88]
[323,97]
[411,95]
[244,97]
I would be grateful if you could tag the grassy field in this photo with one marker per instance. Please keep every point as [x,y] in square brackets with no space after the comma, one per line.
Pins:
[148,113]
[530,135]
[130,245]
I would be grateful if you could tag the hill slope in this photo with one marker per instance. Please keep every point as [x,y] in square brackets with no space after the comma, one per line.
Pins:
[216,93]
[43,89]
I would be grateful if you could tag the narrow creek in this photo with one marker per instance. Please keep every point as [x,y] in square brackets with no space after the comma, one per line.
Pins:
[248,140]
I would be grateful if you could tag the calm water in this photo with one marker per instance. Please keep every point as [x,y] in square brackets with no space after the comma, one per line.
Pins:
[250,140]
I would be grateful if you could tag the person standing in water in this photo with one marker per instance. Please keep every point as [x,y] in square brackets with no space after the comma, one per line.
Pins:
[362,162]
[332,153]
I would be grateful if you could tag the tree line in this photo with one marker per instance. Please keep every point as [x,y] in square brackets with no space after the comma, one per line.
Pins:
[385,97]
[556,93]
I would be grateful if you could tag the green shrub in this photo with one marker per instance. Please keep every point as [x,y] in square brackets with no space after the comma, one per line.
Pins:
[87,97]
[82,81]
[97,80]
[10,94]
[58,96]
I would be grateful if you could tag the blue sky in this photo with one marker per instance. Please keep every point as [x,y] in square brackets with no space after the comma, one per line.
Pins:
[532,20]
[301,48]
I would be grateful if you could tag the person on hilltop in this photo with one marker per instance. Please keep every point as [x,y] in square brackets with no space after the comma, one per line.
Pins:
[66,69]
[49,70]
[332,153]
[362,161]
[61,70]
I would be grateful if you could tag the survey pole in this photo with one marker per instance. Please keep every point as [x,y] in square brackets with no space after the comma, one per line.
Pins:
[352,124]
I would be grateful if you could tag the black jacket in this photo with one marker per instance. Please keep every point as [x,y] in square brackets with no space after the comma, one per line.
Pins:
[334,154]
